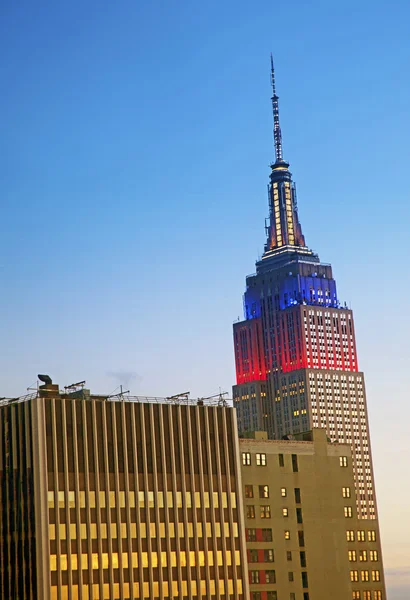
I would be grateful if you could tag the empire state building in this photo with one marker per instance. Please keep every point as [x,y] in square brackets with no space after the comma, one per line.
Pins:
[295,349]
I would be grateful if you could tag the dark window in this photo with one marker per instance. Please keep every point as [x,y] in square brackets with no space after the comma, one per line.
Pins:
[302,559]
[299,515]
[251,535]
[256,595]
[290,575]
[304,579]
[253,556]
[266,535]
[248,491]
[295,463]
[281,460]
[272,595]
[289,555]
[305,595]
[297,496]
[301,537]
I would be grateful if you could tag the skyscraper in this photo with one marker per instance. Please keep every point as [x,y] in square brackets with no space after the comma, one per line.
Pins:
[295,350]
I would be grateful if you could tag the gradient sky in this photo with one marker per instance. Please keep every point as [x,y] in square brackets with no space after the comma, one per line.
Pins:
[135,144]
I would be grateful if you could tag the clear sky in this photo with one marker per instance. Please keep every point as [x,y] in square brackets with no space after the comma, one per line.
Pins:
[134,151]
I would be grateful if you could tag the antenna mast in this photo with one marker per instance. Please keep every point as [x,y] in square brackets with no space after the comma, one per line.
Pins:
[277,134]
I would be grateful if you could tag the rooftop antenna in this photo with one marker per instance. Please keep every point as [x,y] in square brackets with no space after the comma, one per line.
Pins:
[178,398]
[277,134]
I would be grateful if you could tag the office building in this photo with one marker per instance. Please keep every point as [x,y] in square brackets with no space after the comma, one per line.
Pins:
[304,538]
[109,499]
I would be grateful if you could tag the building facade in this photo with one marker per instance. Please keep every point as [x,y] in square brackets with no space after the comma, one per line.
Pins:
[107,499]
[304,538]
[295,350]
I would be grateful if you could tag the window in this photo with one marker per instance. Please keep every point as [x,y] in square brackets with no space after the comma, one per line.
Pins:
[367,595]
[270,576]
[272,595]
[290,575]
[305,595]
[281,460]
[295,463]
[348,512]
[253,556]
[356,595]
[289,555]
[266,535]
[297,496]
[377,595]
[254,576]
[285,512]
[246,458]
[287,534]
[299,517]
[250,535]
[268,555]
[302,559]
[261,460]
[346,492]
[283,492]
[301,537]
[256,595]
[371,536]
[354,575]
[248,491]
[263,491]
[304,579]
[265,512]
[343,461]
[364,575]
[352,556]
[375,576]
[350,535]
[292,596]
[374,556]
[363,555]
[250,512]
[360,536]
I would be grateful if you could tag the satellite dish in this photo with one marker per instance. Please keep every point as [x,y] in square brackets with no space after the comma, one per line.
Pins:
[45,379]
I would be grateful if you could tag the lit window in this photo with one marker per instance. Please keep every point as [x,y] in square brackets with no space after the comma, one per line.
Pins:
[348,512]
[363,555]
[371,536]
[285,512]
[246,458]
[352,556]
[360,536]
[283,492]
[250,512]
[270,576]
[343,461]
[354,575]
[356,595]
[254,576]
[287,534]
[375,576]
[374,555]
[265,512]
[261,460]
[364,575]
[377,595]
[263,491]
[350,535]
[346,492]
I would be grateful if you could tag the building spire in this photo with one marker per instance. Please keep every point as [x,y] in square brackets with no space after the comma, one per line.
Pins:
[277,134]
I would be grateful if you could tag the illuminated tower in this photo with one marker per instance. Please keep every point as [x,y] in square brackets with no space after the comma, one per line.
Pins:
[295,350]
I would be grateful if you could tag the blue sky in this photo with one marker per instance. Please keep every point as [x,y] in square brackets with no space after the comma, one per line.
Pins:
[134,153]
